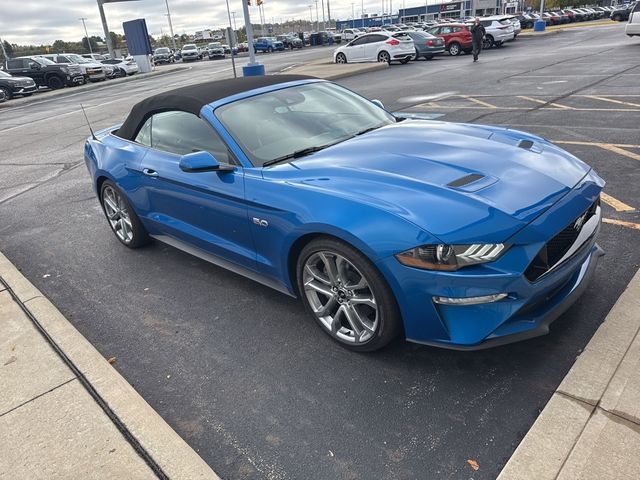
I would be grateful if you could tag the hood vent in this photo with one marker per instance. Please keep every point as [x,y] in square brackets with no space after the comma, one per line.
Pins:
[466,180]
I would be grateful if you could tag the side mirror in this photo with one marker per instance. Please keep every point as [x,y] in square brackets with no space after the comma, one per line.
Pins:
[378,103]
[202,162]
[34,66]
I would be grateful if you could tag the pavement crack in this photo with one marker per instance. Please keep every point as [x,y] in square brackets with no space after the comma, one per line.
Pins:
[37,396]
[54,177]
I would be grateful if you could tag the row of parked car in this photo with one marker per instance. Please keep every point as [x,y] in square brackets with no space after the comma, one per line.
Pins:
[22,76]
[403,43]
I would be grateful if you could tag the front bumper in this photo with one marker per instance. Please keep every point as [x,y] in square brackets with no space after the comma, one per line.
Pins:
[530,306]
[23,90]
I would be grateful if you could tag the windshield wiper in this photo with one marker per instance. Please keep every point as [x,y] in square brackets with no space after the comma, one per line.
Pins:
[298,154]
[367,130]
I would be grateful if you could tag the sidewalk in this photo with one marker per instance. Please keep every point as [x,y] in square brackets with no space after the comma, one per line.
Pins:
[590,429]
[65,412]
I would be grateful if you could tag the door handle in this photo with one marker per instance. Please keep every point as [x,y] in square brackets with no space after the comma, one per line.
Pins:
[149,172]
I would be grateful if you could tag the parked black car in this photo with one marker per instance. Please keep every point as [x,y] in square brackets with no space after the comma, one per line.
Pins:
[11,86]
[44,72]
[622,14]
[289,41]
[163,55]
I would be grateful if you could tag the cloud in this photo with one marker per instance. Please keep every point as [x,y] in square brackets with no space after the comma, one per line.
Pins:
[39,22]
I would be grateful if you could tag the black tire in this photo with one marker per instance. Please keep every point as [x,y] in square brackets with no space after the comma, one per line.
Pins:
[54,82]
[341,58]
[428,57]
[7,93]
[384,56]
[121,73]
[404,61]
[140,236]
[389,320]
[617,18]
[416,56]
[487,43]
[454,49]
[270,50]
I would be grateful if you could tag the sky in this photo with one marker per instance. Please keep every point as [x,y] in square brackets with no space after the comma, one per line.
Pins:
[26,22]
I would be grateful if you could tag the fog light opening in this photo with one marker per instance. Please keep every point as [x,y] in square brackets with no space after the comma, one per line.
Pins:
[470,300]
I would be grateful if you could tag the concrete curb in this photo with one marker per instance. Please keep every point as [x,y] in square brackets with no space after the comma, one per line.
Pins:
[332,71]
[40,96]
[176,458]
[576,413]
[559,28]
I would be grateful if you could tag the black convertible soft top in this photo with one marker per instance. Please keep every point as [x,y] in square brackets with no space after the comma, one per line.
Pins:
[193,97]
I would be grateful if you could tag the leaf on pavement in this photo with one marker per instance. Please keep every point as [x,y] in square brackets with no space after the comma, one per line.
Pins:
[111,360]
[473,464]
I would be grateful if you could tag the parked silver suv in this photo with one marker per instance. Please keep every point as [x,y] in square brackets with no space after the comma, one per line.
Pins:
[90,69]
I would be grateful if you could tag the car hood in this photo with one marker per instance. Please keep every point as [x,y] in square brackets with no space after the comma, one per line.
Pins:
[458,182]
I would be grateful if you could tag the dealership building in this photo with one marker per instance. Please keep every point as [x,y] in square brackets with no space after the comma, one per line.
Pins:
[431,12]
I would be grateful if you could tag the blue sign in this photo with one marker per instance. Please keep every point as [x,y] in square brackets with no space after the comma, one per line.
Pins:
[137,37]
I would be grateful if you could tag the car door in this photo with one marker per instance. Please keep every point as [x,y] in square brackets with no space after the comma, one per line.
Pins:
[205,209]
[372,47]
[355,50]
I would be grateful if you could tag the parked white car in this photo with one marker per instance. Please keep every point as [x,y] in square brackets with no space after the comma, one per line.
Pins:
[498,31]
[122,67]
[633,24]
[349,34]
[90,69]
[377,47]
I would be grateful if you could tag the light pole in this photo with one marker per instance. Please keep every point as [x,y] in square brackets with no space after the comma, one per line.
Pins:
[232,42]
[318,17]
[324,27]
[353,15]
[86,34]
[173,39]
[3,50]
[235,27]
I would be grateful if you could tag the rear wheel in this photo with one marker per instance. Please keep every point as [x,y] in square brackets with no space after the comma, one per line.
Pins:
[404,61]
[270,49]
[617,18]
[384,56]
[428,57]
[123,221]
[454,49]
[55,83]
[416,56]
[487,43]
[347,295]
[341,58]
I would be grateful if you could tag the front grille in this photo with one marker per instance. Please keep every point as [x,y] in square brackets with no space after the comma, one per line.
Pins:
[554,250]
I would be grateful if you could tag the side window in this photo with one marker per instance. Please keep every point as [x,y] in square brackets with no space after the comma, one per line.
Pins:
[445,30]
[636,8]
[456,29]
[16,63]
[377,38]
[182,133]
[433,31]
[144,135]
[361,40]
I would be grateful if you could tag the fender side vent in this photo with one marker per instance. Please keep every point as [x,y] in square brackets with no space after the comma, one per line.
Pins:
[526,144]
[466,180]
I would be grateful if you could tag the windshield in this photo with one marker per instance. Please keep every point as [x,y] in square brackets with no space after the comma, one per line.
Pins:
[43,61]
[280,123]
[162,50]
[214,45]
[189,47]
[78,59]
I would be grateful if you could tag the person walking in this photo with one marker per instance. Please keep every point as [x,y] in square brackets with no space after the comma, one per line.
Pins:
[477,34]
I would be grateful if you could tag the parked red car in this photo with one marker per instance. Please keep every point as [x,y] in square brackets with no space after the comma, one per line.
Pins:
[457,37]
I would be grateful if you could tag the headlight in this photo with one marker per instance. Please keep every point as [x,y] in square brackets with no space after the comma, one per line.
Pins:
[451,257]
[15,83]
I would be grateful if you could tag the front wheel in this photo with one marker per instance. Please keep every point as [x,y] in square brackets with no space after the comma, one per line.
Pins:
[54,83]
[7,92]
[384,57]
[341,58]
[270,50]
[487,42]
[123,221]
[347,295]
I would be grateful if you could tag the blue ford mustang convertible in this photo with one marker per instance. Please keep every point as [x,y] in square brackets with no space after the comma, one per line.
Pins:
[461,236]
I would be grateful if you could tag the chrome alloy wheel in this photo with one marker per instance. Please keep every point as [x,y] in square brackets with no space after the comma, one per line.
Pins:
[117,214]
[340,297]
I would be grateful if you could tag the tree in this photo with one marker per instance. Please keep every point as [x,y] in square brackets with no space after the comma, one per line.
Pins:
[85,44]
[60,46]
[8,48]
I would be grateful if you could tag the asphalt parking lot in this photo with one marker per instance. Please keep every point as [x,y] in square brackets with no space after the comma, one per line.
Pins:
[241,372]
